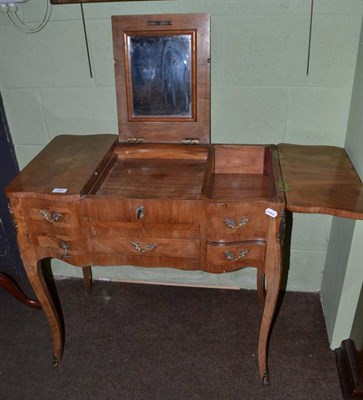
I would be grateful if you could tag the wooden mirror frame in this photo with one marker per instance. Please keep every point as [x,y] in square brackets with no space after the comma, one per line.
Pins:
[164,129]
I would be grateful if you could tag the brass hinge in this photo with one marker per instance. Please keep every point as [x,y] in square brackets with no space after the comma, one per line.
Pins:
[282,227]
[190,141]
[136,140]
[284,186]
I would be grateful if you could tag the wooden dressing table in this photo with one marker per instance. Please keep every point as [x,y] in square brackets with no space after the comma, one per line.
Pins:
[160,195]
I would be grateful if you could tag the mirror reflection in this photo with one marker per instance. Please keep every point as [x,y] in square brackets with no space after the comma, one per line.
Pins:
[161,75]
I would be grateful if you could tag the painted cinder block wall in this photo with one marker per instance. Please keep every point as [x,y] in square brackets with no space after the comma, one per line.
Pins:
[342,284]
[260,94]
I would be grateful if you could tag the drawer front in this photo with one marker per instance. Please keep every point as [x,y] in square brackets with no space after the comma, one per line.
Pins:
[104,230]
[236,222]
[66,248]
[224,258]
[51,218]
[189,264]
[153,247]
[53,214]
[55,230]
[143,210]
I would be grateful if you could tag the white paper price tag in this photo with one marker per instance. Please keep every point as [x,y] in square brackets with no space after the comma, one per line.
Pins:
[270,212]
[59,190]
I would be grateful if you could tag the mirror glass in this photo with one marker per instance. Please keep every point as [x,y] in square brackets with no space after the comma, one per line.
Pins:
[161,75]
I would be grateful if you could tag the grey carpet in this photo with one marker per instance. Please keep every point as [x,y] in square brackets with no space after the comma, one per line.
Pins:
[141,342]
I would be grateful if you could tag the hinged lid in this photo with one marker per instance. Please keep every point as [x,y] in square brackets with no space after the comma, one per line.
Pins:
[320,179]
[162,70]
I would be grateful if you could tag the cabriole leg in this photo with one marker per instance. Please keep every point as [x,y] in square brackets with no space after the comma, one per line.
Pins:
[273,278]
[87,279]
[261,286]
[36,278]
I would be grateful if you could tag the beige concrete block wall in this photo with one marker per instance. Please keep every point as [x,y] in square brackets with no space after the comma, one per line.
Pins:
[260,93]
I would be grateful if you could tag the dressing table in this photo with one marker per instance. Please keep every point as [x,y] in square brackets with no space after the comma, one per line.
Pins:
[160,194]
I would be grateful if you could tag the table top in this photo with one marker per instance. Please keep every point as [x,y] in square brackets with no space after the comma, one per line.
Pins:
[317,179]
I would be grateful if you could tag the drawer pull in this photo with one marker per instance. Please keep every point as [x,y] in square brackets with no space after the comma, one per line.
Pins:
[233,225]
[64,246]
[230,256]
[138,247]
[139,212]
[54,216]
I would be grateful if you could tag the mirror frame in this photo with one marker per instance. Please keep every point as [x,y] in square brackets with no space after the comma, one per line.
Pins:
[164,128]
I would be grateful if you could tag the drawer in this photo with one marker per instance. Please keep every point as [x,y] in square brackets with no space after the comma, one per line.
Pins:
[136,246]
[236,221]
[47,237]
[104,230]
[50,213]
[141,260]
[229,257]
[52,230]
[69,249]
[143,210]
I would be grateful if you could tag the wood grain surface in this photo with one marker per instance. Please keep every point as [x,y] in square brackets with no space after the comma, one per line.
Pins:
[158,129]
[70,162]
[322,180]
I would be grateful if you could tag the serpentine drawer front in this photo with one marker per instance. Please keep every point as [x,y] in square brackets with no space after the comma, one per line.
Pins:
[54,229]
[160,194]
[236,221]
[150,240]
[141,211]
[229,257]
[147,246]
[50,214]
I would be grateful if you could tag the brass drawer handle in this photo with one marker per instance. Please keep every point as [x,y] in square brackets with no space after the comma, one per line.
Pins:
[138,247]
[230,255]
[139,210]
[64,246]
[54,216]
[233,225]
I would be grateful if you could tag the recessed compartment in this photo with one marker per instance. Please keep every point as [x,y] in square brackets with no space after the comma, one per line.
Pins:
[162,172]
[243,173]
[171,171]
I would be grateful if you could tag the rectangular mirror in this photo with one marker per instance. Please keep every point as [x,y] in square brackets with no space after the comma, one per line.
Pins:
[161,75]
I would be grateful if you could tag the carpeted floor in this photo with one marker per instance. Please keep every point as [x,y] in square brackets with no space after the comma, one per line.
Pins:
[141,342]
